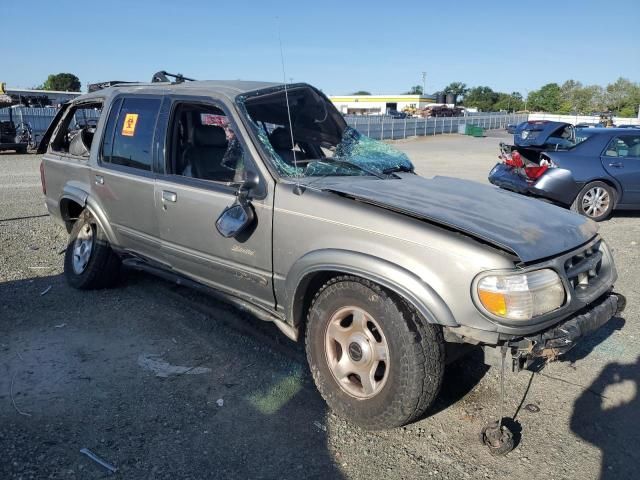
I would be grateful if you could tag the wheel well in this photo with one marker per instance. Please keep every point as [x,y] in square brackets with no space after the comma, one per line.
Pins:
[309,286]
[305,292]
[70,210]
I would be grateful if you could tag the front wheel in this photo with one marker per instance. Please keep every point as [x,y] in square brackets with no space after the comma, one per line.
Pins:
[373,359]
[89,261]
[595,200]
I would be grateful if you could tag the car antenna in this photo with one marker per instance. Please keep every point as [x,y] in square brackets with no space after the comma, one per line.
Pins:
[297,190]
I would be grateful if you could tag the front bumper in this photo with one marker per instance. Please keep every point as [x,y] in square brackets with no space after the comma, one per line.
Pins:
[559,339]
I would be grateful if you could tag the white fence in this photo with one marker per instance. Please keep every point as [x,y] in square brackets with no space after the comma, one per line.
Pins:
[575,119]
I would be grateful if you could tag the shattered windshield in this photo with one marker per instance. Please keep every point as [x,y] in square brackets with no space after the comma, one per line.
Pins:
[320,142]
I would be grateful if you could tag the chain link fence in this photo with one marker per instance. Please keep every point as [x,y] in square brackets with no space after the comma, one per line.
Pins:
[382,127]
[379,127]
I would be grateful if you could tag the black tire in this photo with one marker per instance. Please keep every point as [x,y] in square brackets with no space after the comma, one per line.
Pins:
[103,267]
[578,204]
[416,355]
[22,150]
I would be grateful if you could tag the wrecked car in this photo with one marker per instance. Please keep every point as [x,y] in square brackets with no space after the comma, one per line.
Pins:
[592,171]
[262,195]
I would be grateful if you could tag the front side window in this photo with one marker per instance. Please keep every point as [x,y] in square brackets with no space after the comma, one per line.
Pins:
[624,146]
[129,133]
[204,145]
[310,138]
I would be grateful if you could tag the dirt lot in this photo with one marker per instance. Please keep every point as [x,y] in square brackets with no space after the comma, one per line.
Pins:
[165,383]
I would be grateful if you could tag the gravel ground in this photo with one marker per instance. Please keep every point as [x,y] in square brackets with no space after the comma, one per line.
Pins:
[163,382]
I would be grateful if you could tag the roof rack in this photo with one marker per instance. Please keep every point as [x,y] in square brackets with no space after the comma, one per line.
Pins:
[94,87]
[163,76]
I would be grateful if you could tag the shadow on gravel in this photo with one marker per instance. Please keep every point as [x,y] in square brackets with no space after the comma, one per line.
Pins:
[626,213]
[607,415]
[70,361]
[460,378]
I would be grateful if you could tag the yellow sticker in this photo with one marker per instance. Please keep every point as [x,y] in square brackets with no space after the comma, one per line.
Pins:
[129,125]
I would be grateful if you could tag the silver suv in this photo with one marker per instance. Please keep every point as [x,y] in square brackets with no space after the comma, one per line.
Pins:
[262,194]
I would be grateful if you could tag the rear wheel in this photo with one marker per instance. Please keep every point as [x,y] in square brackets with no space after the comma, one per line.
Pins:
[595,200]
[373,359]
[89,261]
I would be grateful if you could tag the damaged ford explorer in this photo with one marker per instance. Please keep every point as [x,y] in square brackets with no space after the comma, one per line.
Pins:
[261,194]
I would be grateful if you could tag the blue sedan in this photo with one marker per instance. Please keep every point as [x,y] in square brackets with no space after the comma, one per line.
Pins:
[592,171]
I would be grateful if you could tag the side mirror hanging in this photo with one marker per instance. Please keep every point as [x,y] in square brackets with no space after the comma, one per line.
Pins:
[236,218]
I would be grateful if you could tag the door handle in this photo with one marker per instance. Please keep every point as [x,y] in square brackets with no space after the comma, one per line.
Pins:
[168,196]
[616,164]
[99,180]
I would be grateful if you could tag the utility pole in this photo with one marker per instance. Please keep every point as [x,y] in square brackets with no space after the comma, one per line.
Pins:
[424,83]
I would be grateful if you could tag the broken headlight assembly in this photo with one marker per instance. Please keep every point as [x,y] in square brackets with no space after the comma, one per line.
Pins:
[520,296]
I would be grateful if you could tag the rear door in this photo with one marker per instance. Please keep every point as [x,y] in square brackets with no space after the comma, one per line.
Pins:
[621,160]
[204,163]
[123,180]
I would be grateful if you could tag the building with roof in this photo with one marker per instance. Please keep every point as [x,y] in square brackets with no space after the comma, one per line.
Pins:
[379,104]
[36,98]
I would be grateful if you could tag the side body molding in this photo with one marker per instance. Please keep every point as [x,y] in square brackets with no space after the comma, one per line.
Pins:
[396,278]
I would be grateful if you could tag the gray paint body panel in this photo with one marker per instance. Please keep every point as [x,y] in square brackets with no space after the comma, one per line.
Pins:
[509,221]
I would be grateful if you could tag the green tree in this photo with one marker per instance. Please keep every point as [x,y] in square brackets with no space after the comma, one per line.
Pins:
[623,96]
[547,99]
[64,82]
[569,95]
[483,98]
[459,89]
[415,90]
[361,92]
[510,102]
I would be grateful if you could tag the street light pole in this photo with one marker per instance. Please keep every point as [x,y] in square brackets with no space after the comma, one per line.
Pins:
[424,83]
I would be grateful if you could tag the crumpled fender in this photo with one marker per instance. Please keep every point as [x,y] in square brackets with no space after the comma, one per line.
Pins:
[557,184]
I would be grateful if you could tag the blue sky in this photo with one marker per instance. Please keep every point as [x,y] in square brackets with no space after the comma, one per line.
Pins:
[338,46]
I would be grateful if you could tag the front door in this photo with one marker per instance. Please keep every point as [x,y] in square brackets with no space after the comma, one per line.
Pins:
[621,160]
[204,165]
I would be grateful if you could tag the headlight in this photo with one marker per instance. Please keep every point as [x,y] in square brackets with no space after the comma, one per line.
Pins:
[521,296]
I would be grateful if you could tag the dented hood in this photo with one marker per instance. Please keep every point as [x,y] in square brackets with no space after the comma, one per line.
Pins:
[529,228]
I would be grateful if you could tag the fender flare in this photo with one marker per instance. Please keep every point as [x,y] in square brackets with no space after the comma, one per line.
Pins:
[389,275]
[82,198]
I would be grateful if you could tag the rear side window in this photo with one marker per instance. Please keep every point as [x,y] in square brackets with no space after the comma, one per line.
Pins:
[624,146]
[75,133]
[129,133]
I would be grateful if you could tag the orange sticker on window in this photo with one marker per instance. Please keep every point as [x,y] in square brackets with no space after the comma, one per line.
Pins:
[129,125]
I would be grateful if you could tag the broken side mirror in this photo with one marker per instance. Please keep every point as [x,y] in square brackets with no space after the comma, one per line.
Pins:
[235,219]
